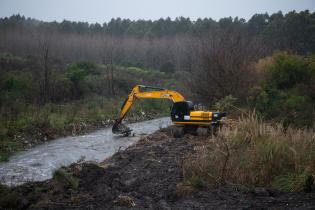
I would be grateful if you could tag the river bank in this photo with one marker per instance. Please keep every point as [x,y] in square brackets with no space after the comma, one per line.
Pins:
[25,139]
[147,175]
[41,135]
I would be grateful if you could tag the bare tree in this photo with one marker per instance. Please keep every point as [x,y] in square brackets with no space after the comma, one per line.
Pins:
[44,48]
[223,61]
[109,45]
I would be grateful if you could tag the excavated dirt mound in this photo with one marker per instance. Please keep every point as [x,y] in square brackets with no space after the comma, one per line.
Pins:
[142,177]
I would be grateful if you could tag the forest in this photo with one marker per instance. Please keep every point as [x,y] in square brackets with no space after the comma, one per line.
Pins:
[56,76]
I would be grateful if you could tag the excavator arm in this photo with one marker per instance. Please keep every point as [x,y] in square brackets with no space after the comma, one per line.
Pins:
[138,93]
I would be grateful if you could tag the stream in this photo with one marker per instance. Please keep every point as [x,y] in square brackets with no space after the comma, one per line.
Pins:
[39,163]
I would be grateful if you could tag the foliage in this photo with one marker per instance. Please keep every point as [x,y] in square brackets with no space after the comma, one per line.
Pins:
[17,85]
[82,76]
[255,153]
[225,103]
[288,92]
[9,199]
[10,58]
[66,177]
[6,145]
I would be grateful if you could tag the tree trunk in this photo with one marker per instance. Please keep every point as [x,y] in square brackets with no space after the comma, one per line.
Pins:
[46,91]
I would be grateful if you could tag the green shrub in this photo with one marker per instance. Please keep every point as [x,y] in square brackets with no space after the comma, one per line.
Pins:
[16,91]
[199,183]
[294,182]
[7,146]
[9,199]
[23,123]
[83,77]
[88,66]
[287,94]
[225,103]
[288,70]
[66,177]
[4,156]
[57,121]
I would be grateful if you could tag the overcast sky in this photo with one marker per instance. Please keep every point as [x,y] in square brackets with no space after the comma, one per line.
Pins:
[103,10]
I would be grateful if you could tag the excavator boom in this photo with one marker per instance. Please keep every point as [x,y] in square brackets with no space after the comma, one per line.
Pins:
[138,93]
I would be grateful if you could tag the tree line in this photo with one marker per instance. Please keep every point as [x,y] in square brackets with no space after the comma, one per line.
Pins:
[273,26]
[146,38]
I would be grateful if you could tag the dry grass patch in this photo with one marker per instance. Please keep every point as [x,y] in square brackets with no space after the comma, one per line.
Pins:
[254,153]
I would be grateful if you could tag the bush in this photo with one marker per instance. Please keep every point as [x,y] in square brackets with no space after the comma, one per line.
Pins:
[65,177]
[16,88]
[287,93]
[57,121]
[9,199]
[23,123]
[4,156]
[83,77]
[88,66]
[225,103]
[7,146]
[254,153]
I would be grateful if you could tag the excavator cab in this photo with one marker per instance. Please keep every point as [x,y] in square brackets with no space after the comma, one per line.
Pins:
[181,110]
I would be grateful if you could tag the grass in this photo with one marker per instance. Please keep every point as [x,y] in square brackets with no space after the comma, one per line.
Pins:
[9,199]
[57,117]
[6,145]
[92,110]
[63,176]
[4,156]
[254,153]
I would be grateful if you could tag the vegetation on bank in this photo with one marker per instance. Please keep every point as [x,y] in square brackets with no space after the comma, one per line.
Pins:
[253,152]
[51,121]
[286,91]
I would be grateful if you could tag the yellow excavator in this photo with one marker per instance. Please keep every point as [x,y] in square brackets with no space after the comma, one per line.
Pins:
[183,115]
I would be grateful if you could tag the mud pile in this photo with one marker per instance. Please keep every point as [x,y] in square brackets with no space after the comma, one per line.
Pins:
[144,176]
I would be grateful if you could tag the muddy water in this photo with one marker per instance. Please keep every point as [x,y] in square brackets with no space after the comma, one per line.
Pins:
[38,163]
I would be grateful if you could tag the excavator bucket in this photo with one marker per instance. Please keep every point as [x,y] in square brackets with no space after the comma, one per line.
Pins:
[121,129]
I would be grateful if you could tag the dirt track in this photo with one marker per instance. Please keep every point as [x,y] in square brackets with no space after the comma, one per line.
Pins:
[145,177]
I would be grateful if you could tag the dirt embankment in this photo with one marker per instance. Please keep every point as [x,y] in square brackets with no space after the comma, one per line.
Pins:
[145,176]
